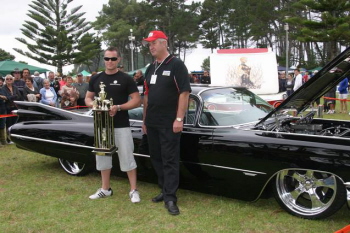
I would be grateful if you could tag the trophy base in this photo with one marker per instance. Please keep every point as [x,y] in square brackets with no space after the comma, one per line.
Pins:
[105,152]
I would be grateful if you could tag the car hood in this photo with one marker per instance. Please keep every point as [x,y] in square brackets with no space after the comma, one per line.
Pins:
[317,86]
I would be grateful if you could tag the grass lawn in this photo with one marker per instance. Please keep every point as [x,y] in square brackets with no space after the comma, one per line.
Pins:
[38,196]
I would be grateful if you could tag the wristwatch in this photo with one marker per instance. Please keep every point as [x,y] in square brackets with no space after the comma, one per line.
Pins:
[118,108]
[179,119]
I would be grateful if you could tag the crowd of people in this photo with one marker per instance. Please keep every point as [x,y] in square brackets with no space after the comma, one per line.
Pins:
[56,91]
[295,80]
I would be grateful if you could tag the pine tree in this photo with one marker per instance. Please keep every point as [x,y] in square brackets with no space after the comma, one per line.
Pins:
[4,55]
[54,32]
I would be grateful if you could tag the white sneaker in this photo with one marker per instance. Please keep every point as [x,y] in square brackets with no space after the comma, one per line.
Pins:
[134,196]
[101,194]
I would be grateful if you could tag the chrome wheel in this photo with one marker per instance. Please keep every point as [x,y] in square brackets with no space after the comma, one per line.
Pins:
[74,168]
[309,194]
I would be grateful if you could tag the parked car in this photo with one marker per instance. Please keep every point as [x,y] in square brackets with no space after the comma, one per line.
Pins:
[233,144]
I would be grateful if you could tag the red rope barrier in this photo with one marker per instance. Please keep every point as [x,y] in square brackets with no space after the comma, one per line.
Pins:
[7,115]
[330,98]
[78,107]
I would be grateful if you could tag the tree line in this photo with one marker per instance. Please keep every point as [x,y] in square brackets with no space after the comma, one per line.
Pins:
[59,35]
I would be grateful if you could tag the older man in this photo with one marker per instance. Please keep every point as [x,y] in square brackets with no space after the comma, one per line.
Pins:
[165,103]
[82,88]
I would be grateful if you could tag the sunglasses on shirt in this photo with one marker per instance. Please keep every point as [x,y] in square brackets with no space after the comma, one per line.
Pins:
[110,58]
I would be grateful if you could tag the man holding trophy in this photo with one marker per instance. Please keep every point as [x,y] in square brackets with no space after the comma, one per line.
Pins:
[115,87]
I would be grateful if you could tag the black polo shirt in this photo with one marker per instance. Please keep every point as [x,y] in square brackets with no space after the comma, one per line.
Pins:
[118,87]
[164,90]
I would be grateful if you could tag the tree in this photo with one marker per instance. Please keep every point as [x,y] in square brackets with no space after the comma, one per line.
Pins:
[54,32]
[324,21]
[206,64]
[90,47]
[115,28]
[6,55]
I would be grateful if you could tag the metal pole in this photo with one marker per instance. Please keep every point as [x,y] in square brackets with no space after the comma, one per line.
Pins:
[286,27]
[132,38]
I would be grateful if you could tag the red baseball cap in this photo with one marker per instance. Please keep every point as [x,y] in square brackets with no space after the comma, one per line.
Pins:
[153,35]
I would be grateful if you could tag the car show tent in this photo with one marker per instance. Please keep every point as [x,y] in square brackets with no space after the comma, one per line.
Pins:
[7,66]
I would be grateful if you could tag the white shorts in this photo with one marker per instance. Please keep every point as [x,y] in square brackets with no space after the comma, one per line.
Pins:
[125,145]
[343,96]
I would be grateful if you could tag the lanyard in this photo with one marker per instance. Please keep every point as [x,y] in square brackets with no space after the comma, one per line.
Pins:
[155,70]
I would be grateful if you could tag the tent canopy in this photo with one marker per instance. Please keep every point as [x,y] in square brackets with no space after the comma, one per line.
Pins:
[281,68]
[85,73]
[317,68]
[7,66]
[142,69]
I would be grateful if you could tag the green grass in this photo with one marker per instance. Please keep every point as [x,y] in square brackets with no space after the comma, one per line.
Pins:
[38,196]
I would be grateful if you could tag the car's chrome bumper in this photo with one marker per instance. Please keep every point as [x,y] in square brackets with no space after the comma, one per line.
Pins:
[347,187]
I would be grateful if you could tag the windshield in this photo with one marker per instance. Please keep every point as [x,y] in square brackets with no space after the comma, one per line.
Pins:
[232,106]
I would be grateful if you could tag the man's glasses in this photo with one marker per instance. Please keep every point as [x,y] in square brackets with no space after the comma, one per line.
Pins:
[110,58]
[8,79]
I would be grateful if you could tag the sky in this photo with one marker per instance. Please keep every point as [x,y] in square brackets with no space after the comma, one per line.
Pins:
[13,15]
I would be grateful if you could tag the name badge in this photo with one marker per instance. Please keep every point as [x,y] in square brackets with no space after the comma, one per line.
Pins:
[153,79]
[166,72]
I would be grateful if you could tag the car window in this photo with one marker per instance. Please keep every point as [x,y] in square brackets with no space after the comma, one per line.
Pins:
[136,113]
[190,116]
[231,106]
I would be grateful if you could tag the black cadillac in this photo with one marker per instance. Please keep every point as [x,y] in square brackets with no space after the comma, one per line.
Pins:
[233,144]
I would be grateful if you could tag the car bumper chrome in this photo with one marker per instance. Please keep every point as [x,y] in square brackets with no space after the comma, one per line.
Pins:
[347,187]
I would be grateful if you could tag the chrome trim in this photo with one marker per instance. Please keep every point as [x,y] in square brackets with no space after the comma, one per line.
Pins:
[347,188]
[50,141]
[88,113]
[249,174]
[246,172]
[142,155]
[298,134]
[229,168]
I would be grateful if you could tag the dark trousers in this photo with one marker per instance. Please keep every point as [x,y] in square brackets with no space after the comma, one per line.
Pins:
[164,148]
[81,102]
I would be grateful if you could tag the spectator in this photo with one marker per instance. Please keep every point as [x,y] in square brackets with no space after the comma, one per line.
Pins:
[306,77]
[120,68]
[1,81]
[195,79]
[19,82]
[25,73]
[54,83]
[38,81]
[82,88]
[329,104]
[48,94]
[138,78]
[87,79]
[205,78]
[30,92]
[3,99]
[343,95]
[289,85]
[63,81]
[69,94]
[282,82]
[13,94]
[298,80]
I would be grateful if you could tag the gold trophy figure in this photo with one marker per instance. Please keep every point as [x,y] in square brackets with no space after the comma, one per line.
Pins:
[103,124]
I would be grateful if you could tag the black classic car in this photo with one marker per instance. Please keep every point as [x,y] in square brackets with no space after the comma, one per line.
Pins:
[233,144]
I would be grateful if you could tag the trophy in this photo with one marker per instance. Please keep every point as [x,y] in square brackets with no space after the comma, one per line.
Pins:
[103,124]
